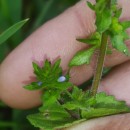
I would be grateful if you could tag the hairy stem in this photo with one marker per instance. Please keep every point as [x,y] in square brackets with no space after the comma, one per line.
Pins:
[100,64]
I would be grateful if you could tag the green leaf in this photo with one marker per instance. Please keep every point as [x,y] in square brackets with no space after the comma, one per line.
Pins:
[76,101]
[125,24]
[104,100]
[10,31]
[94,39]
[32,86]
[115,27]
[79,100]
[49,75]
[105,105]
[100,5]
[118,43]
[82,57]
[71,106]
[49,99]
[51,118]
[37,69]
[103,20]
[77,93]
[58,121]
[118,13]
[68,125]
[100,112]
[95,106]
[90,5]
[40,121]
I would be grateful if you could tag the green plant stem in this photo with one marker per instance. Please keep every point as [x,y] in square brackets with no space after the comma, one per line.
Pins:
[100,64]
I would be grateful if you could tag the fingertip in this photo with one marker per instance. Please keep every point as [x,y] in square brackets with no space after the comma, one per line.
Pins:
[12,92]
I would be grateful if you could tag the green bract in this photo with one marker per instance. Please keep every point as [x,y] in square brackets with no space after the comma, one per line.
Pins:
[48,75]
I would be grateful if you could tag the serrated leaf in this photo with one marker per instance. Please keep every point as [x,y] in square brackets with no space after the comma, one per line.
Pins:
[71,124]
[103,15]
[71,106]
[79,105]
[56,65]
[79,100]
[101,105]
[100,5]
[37,69]
[77,94]
[48,75]
[56,106]
[118,13]
[125,24]
[32,86]
[105,105]
[104,99]
[82,57]
[41,120]
[10,31]
[118,43]
[90,5]
[49,119]
[103,20]
[51,101]
[94,39]
[100,112]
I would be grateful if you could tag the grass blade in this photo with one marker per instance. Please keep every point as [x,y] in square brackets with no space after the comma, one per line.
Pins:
[10,31]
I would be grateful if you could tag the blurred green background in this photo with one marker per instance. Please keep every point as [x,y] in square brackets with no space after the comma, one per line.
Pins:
[12,11]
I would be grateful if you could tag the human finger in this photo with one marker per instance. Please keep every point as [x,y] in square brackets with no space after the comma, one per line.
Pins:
[117,82]
[115,122]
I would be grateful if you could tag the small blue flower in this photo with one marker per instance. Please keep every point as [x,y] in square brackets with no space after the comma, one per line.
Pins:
[61,79]
[39,83]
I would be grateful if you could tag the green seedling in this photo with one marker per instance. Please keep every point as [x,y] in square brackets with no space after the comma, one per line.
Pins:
[64,103]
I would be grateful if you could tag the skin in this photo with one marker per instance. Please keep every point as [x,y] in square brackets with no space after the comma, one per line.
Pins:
[57,38]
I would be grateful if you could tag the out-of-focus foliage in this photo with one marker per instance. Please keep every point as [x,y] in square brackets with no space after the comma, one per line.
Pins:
[39,11]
